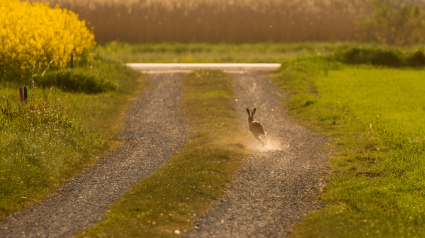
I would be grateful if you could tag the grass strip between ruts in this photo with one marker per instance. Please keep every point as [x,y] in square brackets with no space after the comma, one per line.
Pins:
[166,203]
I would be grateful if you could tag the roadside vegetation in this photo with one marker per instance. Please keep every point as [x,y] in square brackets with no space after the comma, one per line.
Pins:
[166,203]
[370,102]
[59,130]
[216,53]
[68,120]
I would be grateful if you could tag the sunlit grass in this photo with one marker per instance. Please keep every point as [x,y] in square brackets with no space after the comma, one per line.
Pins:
[166,203]
[216,53]
[55,134]
[376,117]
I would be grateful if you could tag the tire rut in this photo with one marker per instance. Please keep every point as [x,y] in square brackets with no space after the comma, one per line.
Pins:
[155,128]
[269,194]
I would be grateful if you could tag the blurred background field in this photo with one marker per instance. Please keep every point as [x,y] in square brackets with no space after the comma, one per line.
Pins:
[237,21]
[216,53]
[244,30]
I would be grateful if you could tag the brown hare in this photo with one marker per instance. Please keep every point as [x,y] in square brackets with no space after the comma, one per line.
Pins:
[255,127]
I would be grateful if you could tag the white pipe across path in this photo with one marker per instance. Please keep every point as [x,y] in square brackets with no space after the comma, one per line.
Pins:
[155,68]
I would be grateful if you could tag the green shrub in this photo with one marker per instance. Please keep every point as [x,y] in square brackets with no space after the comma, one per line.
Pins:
[417,59]
[394,22]
[381,56]
[374,56]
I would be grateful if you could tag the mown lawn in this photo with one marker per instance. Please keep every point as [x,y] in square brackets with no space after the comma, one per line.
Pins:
[66,124]
[376,117]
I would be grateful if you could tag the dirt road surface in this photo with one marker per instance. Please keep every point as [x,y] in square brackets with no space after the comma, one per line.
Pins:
[154,129]
[270,193]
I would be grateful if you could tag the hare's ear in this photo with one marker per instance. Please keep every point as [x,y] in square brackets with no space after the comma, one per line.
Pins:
[253,111]
[247,110]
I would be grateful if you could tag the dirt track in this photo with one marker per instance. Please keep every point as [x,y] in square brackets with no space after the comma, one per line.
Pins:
[266,198]
[270,192]
[155,129]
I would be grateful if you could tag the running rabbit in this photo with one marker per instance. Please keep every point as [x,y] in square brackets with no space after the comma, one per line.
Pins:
[255,127]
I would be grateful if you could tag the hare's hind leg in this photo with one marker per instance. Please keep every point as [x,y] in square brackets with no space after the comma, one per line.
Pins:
[258,138]
[265,139]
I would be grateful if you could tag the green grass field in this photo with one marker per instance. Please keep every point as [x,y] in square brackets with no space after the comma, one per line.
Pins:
[375,116]
[166,203]
[59,130]
[216,53]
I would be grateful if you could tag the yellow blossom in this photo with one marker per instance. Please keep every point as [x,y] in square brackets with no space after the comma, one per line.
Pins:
[34,31]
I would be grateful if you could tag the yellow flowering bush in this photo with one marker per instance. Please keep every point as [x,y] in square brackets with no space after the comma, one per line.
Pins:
[33,35]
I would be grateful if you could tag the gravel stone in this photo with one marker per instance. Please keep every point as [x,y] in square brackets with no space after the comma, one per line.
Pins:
[271,190]
[155,128]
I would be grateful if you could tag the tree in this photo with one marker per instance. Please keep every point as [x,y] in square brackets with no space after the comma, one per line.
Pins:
[394,22]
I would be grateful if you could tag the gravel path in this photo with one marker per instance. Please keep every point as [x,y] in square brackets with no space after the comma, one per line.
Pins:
[266,198]
[269,193]
[155,129]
